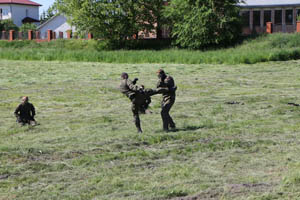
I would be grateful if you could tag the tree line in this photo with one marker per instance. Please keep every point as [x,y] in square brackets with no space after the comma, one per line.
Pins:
[8,24]
[193,24]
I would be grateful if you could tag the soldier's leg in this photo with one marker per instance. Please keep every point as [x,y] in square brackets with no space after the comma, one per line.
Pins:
[21,121]
[167,119]
[164,115]
[136,117]
[145,104]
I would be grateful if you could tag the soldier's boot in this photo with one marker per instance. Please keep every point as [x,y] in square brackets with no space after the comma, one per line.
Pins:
[165,126]
[33,123]
[172,124]
[138,125]
[140,130]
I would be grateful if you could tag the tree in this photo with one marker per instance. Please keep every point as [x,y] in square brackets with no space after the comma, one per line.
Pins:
[153,11]
[113,20]
[7,25]
[198,24]
[46,15]
[28,26]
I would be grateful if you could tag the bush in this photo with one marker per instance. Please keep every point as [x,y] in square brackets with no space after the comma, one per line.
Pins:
[7,25]
[261,49]
[26,27]
[201,24]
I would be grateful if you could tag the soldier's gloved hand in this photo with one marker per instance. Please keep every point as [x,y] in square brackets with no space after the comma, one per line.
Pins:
[135,80]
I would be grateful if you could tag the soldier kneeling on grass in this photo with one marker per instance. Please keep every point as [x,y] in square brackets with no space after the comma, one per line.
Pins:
[25,113]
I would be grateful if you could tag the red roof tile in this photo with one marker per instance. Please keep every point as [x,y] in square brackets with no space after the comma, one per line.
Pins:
[23,2]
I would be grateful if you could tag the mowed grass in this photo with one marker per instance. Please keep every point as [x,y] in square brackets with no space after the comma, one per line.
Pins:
[237,136]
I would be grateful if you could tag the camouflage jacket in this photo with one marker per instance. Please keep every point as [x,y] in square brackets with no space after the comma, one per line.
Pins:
[168,83]
[128,88]
[25,111]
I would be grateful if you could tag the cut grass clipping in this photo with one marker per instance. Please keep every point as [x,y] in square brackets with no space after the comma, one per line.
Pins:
[237,139]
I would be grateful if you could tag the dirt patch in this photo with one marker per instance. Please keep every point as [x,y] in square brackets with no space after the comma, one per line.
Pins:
[208,194]
[4,176]
[233,190]
[241,188]
[234,103]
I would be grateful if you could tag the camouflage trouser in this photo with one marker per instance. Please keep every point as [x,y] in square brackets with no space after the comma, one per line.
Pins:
[136,107]
[23,121]
[166,106]
[140,102]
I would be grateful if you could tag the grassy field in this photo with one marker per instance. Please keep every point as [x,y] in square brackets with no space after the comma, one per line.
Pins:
[238,137]
[275,47]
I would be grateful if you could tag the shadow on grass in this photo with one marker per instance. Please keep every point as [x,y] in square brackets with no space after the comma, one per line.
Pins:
[186,128]
[189,128]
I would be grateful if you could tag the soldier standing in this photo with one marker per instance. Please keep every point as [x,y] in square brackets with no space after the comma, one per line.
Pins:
[25,112]
[138,97]
[168,99]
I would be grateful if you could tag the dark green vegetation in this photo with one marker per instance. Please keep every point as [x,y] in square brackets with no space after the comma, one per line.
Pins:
[114,21]
[7,24]
[194,24]
[276,47]
[238,137]
[198,24]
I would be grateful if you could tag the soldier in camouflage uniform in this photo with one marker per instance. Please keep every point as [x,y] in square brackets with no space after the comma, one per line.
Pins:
[25,112]
[168,100]
[140,97]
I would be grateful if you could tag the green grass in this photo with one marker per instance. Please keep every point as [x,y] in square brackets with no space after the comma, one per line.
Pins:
[86,146]
[275,47]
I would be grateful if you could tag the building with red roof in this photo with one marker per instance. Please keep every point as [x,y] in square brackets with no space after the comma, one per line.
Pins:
[20,11]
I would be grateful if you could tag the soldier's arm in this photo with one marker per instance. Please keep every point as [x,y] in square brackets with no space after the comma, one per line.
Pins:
[16,113]
[132,86]
[162,90]
[160,84]
[170,84]
[32,110]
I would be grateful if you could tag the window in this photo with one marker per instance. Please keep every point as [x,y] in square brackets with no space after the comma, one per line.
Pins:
[267,16]
[278,17]
[256,18]
[0,13]
[289,17]
[245,18]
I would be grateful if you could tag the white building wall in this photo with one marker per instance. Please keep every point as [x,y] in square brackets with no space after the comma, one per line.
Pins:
[19,13]
[6,11]
[56,24]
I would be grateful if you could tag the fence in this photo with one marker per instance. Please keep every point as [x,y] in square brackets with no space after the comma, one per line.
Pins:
[36,35]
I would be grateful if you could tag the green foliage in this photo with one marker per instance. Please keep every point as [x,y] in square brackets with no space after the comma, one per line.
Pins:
[116,21]
[198,24]
[7,25]
[28,26]
[46,15]
[274,47]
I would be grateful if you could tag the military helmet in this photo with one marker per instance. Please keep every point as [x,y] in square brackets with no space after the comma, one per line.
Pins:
[124,75]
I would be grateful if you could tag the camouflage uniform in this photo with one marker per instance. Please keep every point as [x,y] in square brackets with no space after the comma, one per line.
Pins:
[140,99]
[25,113]
[168,100]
